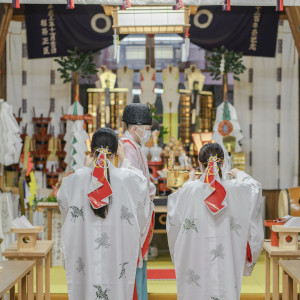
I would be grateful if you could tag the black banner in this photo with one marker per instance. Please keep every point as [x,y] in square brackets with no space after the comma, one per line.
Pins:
[252,30]
[52,29]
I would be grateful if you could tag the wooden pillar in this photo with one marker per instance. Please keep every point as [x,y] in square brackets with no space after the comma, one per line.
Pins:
[6,12]
[293,15]
[299,122]
[3,75]
[271,204]
[150,54]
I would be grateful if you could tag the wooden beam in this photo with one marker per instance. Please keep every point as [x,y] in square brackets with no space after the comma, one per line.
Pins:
[293,14]
[150,57]
[19,14]
[283,16]
[299,123]
[6,14]
[3,75]
[18,18]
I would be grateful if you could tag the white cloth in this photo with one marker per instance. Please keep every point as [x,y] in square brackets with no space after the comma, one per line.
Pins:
[57,250]
[75,138]
[265,115]
[125,80]
[37,90]
[170,84]
[236,129]
[10,140]
[6,218]
[209,251]
[101,70]
[147,85]
[101,255]
[193,74]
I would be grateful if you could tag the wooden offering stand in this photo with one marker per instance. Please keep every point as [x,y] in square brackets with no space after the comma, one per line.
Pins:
[288,237]
[27,237]
[274,236]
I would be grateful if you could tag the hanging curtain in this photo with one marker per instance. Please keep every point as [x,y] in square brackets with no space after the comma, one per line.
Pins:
[29,83]
[266,100]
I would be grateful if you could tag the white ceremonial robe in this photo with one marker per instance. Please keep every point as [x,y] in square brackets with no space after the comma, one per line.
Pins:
[101,255]
[209,251]
[137,158]
[10,140]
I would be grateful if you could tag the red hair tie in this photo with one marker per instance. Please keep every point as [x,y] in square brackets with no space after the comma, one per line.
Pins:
[215,201]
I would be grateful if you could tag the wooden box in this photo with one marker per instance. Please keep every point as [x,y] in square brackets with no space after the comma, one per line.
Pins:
[288,237]
[27,237]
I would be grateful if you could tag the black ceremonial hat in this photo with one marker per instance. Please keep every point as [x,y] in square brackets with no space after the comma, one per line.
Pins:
[137,114]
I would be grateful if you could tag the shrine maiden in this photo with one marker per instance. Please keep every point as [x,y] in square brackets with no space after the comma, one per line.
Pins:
[215,230]
[138,119]
[104,223]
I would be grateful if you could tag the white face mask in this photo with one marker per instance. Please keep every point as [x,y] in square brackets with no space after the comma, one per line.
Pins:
[146,134]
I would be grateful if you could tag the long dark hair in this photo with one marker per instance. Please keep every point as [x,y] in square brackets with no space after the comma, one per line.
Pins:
[102,138]
[211,149]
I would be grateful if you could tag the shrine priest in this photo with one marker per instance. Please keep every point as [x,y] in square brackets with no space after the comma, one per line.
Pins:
[103,222]
[215,230]
[138,120]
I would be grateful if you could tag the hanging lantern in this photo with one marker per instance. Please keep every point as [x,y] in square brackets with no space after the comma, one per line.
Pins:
[150,20]
[279,5]
[226,6]
[70,4]
[16,3]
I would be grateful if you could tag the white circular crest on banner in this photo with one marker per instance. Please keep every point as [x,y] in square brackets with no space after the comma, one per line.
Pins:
[107,20]
[201,12]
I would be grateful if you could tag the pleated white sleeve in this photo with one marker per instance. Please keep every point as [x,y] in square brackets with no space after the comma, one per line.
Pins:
[256,232]
[173,221]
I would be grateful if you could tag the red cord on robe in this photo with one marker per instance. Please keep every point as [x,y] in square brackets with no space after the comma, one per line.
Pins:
[135,296]
[249,255]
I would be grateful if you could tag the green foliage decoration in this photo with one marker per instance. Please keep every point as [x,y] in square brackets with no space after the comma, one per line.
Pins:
[76,64]
[233,62]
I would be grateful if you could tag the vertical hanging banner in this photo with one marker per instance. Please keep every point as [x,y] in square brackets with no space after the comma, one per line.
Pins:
[53,29]
[252,30]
